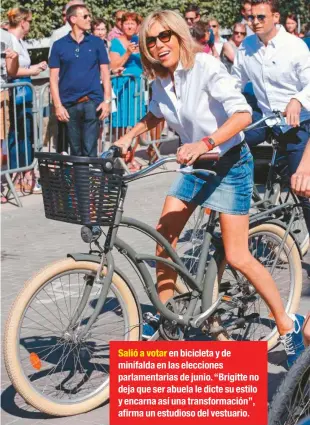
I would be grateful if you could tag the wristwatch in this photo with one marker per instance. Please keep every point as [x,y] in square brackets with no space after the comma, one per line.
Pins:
[209,142]
[108,101]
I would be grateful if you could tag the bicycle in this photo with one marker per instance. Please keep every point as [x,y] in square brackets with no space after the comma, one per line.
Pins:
[291,403]
[277,183]
[56,342]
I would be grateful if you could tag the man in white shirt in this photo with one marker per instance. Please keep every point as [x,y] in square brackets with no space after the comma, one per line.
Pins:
[278,65]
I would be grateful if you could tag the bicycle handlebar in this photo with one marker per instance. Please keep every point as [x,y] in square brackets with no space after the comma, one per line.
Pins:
[279,116]
[276,115]
[115,152]
[205,157]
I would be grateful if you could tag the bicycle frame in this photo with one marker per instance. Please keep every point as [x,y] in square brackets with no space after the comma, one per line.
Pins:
[202,283]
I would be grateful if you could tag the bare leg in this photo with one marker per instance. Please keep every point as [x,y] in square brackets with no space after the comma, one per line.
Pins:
[235,231]
[173,218]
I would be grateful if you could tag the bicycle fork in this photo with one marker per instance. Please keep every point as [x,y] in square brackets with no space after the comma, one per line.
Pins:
[105,281]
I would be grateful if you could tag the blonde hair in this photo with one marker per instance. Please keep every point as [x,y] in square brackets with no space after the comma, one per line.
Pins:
[17,15]
[171,21]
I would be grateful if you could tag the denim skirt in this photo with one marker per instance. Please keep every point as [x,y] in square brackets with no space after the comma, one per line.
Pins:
[230,191]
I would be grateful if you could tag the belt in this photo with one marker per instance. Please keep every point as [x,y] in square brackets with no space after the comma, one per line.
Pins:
[83,99]
[235,149]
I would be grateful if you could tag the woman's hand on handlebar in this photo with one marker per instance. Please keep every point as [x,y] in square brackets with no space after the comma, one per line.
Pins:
[124,143]
[190,152]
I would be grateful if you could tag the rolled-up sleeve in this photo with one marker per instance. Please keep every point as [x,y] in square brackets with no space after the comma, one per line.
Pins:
[302,66]
[223,87]
[154,108]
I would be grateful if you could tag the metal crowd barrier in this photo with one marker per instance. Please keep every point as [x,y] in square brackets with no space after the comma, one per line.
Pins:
[19,131]
[130,103]
[31,125]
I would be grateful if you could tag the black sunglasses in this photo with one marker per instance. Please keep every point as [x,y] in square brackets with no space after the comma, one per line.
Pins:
[239,33]
[260,18]
[189,19]
[163,36]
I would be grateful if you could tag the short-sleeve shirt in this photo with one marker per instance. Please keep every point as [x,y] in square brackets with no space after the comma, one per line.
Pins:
[79,68]
[5,43]
[133,65]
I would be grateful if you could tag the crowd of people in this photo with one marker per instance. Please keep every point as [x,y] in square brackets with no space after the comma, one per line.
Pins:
[126,97]
[197,83]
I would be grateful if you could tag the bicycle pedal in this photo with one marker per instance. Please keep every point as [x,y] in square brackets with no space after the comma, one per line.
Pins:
[233,301]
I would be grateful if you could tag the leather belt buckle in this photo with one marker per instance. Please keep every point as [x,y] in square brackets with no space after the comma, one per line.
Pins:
[83,99]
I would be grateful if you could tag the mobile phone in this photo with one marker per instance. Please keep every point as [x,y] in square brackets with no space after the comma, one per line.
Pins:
[135,39]
[3,55]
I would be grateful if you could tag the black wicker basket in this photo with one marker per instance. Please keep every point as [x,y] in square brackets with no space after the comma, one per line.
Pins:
[79,190]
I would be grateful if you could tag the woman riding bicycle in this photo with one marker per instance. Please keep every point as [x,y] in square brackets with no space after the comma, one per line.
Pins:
[197,97]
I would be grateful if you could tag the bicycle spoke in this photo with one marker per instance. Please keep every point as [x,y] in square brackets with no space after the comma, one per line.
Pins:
[69,368]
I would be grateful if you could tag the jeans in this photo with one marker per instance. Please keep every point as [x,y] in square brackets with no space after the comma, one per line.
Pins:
[294,143]
[83,129]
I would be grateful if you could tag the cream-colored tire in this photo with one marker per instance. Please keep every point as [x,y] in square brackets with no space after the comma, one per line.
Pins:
[19,379]
[294,263]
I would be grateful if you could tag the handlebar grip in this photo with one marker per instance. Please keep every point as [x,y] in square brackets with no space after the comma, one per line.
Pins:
[117,152]
[209,157]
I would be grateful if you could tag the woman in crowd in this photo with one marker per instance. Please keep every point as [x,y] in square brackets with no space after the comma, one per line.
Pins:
[99,29]
[199,100]
[22,155]
[231,46]
[128,88]
[291,24]
[218,40]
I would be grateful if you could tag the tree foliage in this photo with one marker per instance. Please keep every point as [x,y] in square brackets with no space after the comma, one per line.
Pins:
[47,14]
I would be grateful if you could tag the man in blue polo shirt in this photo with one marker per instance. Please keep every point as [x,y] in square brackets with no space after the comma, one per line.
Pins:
[77,63]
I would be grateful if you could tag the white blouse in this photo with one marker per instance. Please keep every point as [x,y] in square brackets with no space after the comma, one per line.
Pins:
[23,56]
[201,101]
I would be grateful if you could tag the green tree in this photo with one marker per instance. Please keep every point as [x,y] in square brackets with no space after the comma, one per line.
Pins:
[47,14]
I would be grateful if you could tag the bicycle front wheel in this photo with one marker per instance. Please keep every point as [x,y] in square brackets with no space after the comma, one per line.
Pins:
[264,245]
[291,402]
[49,366]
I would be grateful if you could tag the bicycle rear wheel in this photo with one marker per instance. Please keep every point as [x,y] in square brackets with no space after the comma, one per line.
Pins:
[291,403]
[264,244]
[47,364]
[299,228]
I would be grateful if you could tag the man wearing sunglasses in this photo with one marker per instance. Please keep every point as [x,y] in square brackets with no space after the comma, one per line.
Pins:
[77,63]
[278,65]
[66,28]
[192,15]
[116,31]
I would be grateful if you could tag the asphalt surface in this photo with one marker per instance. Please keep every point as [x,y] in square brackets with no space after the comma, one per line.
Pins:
[30,241]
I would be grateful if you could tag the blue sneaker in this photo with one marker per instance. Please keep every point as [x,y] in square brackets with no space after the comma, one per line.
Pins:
[150,325]
[293,341]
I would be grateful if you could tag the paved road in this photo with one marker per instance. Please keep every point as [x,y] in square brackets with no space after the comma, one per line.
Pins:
[29,241]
